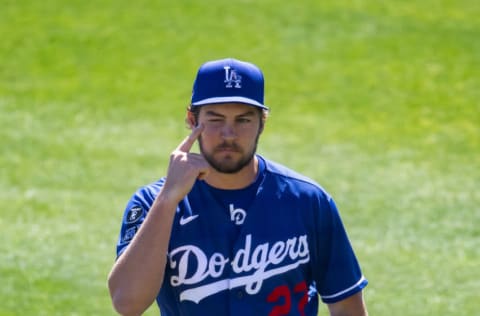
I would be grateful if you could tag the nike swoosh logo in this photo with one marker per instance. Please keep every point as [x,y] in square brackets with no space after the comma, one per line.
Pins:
[186,220]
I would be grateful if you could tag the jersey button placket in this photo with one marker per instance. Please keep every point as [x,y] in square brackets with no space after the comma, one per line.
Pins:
[237,302]
[240,294]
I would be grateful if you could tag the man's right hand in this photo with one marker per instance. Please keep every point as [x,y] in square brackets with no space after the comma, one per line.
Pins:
[185,167]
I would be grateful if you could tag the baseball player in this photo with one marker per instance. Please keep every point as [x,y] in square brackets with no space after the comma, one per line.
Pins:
[227,231]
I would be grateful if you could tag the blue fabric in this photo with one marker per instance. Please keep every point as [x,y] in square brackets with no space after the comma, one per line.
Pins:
[290,246]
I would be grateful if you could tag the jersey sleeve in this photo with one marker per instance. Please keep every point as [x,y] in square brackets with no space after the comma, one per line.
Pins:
[338,275]
[134,214]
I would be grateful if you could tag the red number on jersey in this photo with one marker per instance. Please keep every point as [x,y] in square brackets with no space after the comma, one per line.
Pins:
[302,288]
[283,296]
[280,294]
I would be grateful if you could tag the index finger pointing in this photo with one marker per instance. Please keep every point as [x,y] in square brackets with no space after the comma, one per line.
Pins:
[188,142]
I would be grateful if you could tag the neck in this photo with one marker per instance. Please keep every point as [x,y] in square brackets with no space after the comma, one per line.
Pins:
[234,181]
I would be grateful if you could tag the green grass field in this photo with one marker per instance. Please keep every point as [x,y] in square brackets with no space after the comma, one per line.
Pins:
[379,101]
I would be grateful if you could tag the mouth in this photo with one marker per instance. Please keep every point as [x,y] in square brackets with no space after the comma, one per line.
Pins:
[227,149]
[226,154]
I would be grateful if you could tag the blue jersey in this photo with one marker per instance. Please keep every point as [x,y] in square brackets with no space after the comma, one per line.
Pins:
[270,249]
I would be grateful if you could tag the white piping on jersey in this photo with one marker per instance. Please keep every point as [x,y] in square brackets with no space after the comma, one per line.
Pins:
[344,291]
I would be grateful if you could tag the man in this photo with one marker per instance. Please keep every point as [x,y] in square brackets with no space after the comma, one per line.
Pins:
[229,232]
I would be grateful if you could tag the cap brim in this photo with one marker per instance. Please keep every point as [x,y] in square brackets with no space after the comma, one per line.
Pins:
[230,100]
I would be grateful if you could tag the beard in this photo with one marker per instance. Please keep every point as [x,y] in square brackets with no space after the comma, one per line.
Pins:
[228,164]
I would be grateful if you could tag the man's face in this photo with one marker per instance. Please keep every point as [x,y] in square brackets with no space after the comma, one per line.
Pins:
[229,139]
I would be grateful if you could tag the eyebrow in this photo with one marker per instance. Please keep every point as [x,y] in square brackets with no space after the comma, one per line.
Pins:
[216,114]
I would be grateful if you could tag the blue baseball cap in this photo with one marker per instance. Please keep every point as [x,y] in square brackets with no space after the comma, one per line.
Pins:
[228,81]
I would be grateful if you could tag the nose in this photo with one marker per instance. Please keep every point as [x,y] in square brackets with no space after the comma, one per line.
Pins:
[228,132]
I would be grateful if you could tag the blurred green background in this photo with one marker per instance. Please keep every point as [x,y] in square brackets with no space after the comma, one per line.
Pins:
[376,100]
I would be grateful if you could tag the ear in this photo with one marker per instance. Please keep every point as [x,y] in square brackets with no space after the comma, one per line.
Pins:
[263,120]
[190,120]
[262,127]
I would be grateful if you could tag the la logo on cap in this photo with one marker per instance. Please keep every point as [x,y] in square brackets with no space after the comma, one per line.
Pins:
[231,78]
